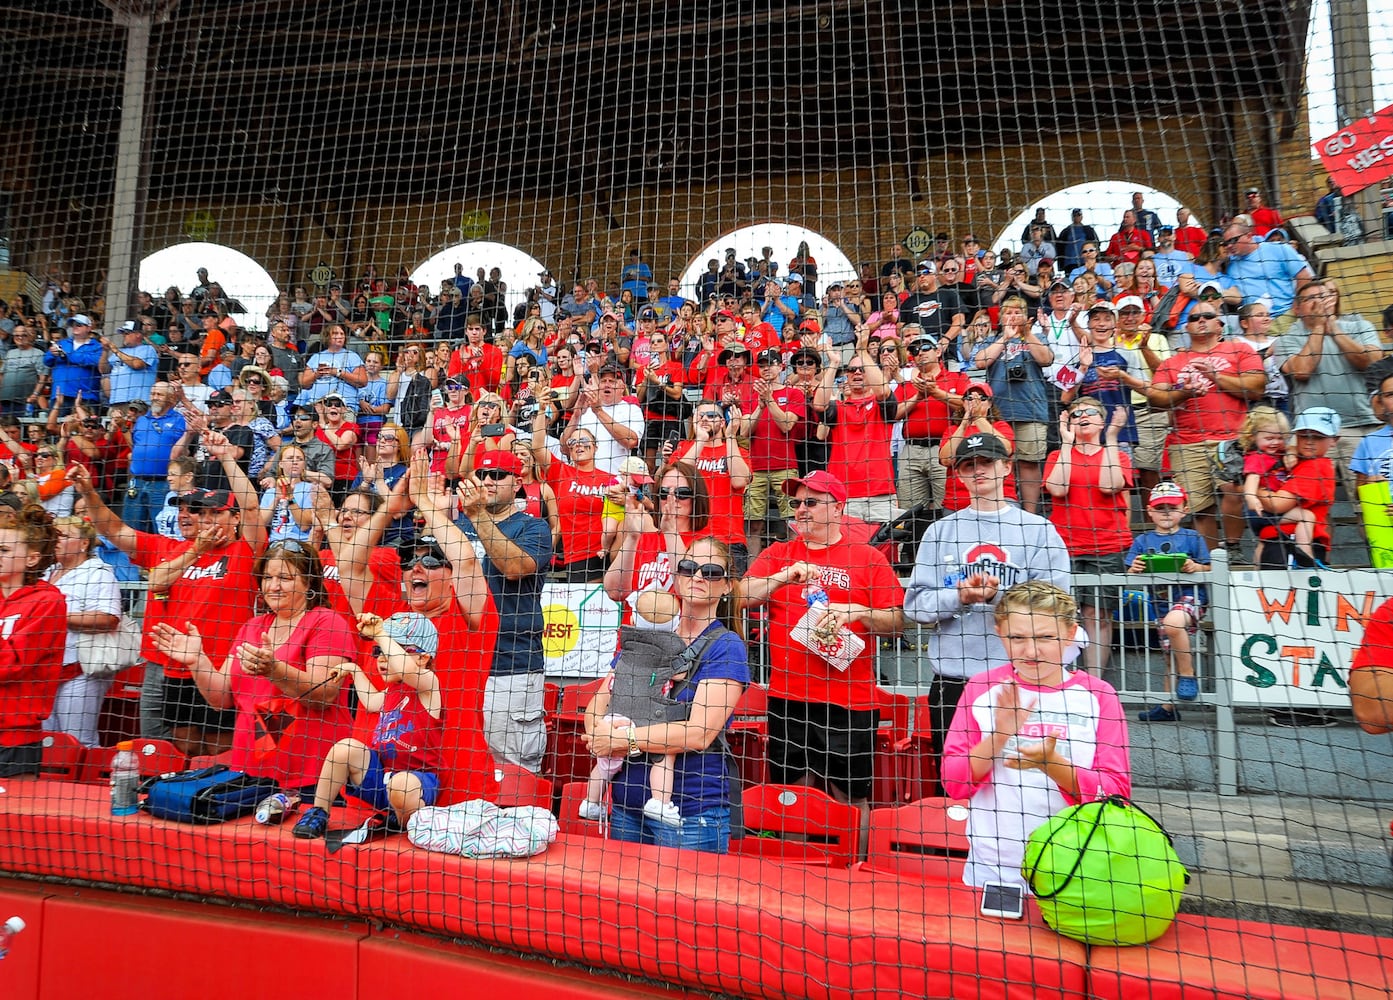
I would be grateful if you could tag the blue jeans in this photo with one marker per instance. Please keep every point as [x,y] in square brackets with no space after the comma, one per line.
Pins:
[144,499]
[709,831]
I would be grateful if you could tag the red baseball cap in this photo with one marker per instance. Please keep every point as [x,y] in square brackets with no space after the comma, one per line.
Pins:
[501,459]
[818,482]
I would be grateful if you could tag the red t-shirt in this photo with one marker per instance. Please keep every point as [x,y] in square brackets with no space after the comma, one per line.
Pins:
[217,594]
[851,572]
[771,450]
[654,566]
[1376,650]
[955,496]
[299,754]
[1265,220]
[669,373]
[727,520]
[1217,415]
[1090,521]
[443,418]
[404,734]
[859,445]
[483,371]
[929,419]
[580,504]
[33,628]
[1313,483]
[345,459]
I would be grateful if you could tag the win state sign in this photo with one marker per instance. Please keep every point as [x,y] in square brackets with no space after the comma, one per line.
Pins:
[1293,634]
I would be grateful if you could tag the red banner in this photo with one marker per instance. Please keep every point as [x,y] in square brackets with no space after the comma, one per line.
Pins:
[1361,153]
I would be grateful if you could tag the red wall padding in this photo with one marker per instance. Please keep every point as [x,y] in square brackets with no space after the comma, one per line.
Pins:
[737,925]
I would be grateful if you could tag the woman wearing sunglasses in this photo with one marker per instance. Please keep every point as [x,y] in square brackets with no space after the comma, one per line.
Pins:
[655,532]
[290,661]
[700,789]
[580,489]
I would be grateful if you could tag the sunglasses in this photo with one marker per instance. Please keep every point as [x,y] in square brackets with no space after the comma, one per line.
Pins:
[582,443]
[492,475]
[429,561]
[1206,315]
[680,492]
[454,386]
[707,571]
[809,502]
[381,654]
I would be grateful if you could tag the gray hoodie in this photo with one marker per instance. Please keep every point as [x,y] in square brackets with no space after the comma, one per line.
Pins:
[1009,544]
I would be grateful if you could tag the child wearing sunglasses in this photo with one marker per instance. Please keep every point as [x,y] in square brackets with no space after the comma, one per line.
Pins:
[396,768]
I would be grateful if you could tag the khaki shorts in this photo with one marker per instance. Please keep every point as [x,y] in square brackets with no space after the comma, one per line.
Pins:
[1192,466]
[762,485]
[1152,428]
[1032,442]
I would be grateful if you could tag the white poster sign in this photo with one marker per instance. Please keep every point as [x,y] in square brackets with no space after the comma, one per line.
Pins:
[1294,634]
[581,630]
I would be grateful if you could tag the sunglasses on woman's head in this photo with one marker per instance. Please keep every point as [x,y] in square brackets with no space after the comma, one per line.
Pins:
[707,571]
[680,492]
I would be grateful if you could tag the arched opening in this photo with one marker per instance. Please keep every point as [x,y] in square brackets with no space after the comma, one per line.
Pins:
[248,286]
[520,270]
[783,238]
[1103,203]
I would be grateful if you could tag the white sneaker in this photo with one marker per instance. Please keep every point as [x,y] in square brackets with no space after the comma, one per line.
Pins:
[666,813]
[593,811]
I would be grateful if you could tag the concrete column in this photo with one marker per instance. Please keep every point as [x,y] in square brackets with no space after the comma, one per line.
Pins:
[1354,89]
[121,267]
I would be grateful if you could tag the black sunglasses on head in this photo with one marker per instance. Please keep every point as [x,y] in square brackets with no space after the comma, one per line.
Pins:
[707,571]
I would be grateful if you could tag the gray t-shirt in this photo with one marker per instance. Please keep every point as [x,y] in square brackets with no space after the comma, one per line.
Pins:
[1334,383]
[1009,544]
[22,368]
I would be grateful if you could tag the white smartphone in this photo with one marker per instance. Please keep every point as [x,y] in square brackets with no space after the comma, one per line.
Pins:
[1001,899]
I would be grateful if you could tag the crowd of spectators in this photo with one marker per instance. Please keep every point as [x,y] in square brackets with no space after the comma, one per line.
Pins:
[388,449]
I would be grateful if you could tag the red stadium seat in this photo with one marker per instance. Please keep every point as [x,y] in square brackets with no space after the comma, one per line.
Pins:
[568,820]
[753,704]
[568,758]
[926,839]
[518,786]
[208,760]
[62,757]
[798,824]
[155,756]
[889,785]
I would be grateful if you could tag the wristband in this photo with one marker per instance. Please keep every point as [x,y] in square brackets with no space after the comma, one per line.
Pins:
[634,751]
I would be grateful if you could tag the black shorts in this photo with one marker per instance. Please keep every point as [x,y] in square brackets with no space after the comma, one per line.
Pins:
[1103,598]
[835,745]
[185,706]
[26,758]
[655,433]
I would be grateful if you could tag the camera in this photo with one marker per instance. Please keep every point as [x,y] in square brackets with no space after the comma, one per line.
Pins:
[1015,371]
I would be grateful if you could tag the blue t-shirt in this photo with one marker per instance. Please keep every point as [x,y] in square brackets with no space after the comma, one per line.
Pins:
[1185,540]
[283,525]
[1017,381]
[699,779]
[76,370]
[1374,455]
[152,441]
[518,649]
[1111,393]
[1269,271]
[332,385]
[374,394]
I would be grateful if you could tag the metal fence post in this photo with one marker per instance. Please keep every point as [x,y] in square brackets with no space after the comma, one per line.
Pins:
[1226,733]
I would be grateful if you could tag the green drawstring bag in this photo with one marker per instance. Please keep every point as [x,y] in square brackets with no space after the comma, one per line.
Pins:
[1104,872]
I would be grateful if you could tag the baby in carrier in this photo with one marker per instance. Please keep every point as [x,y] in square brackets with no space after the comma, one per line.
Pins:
[653,611]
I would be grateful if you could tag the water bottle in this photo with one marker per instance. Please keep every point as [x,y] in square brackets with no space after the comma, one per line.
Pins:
[125,780]
[11,927]
[272,809]
[30,409]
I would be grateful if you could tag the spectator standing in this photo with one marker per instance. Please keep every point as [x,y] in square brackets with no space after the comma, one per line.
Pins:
[1090,479]
[859,418]
[1129,241]
[1042,223]
[1188,236]
[614,422]
[1206,388]
[1371,673]
[73,362]
[1146,218]
[1325,356]
[822,694]
[1094,264]
[1071,239]
[240,441]
[156,436]
[1274,269]
[333,371]
[928,405]
[1015,361]
[516,555]
[1264,219]
[1170,262]
[319,457]
[725,467]
[938,312]
[20,372]
[635,277]
[773,412]
[285,357]
[477,361]
[965,562]
[1036,250]
[32,647]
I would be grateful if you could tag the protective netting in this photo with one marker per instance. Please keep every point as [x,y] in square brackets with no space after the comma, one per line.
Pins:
[1009,381]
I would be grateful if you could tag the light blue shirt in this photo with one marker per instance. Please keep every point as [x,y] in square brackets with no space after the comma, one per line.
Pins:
[332,385]
[1269,272]
[129,383]
[1170,266]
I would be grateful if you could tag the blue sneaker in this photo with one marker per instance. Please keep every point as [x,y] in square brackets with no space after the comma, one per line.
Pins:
[1157,713]
[1187,688]
[313,825]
